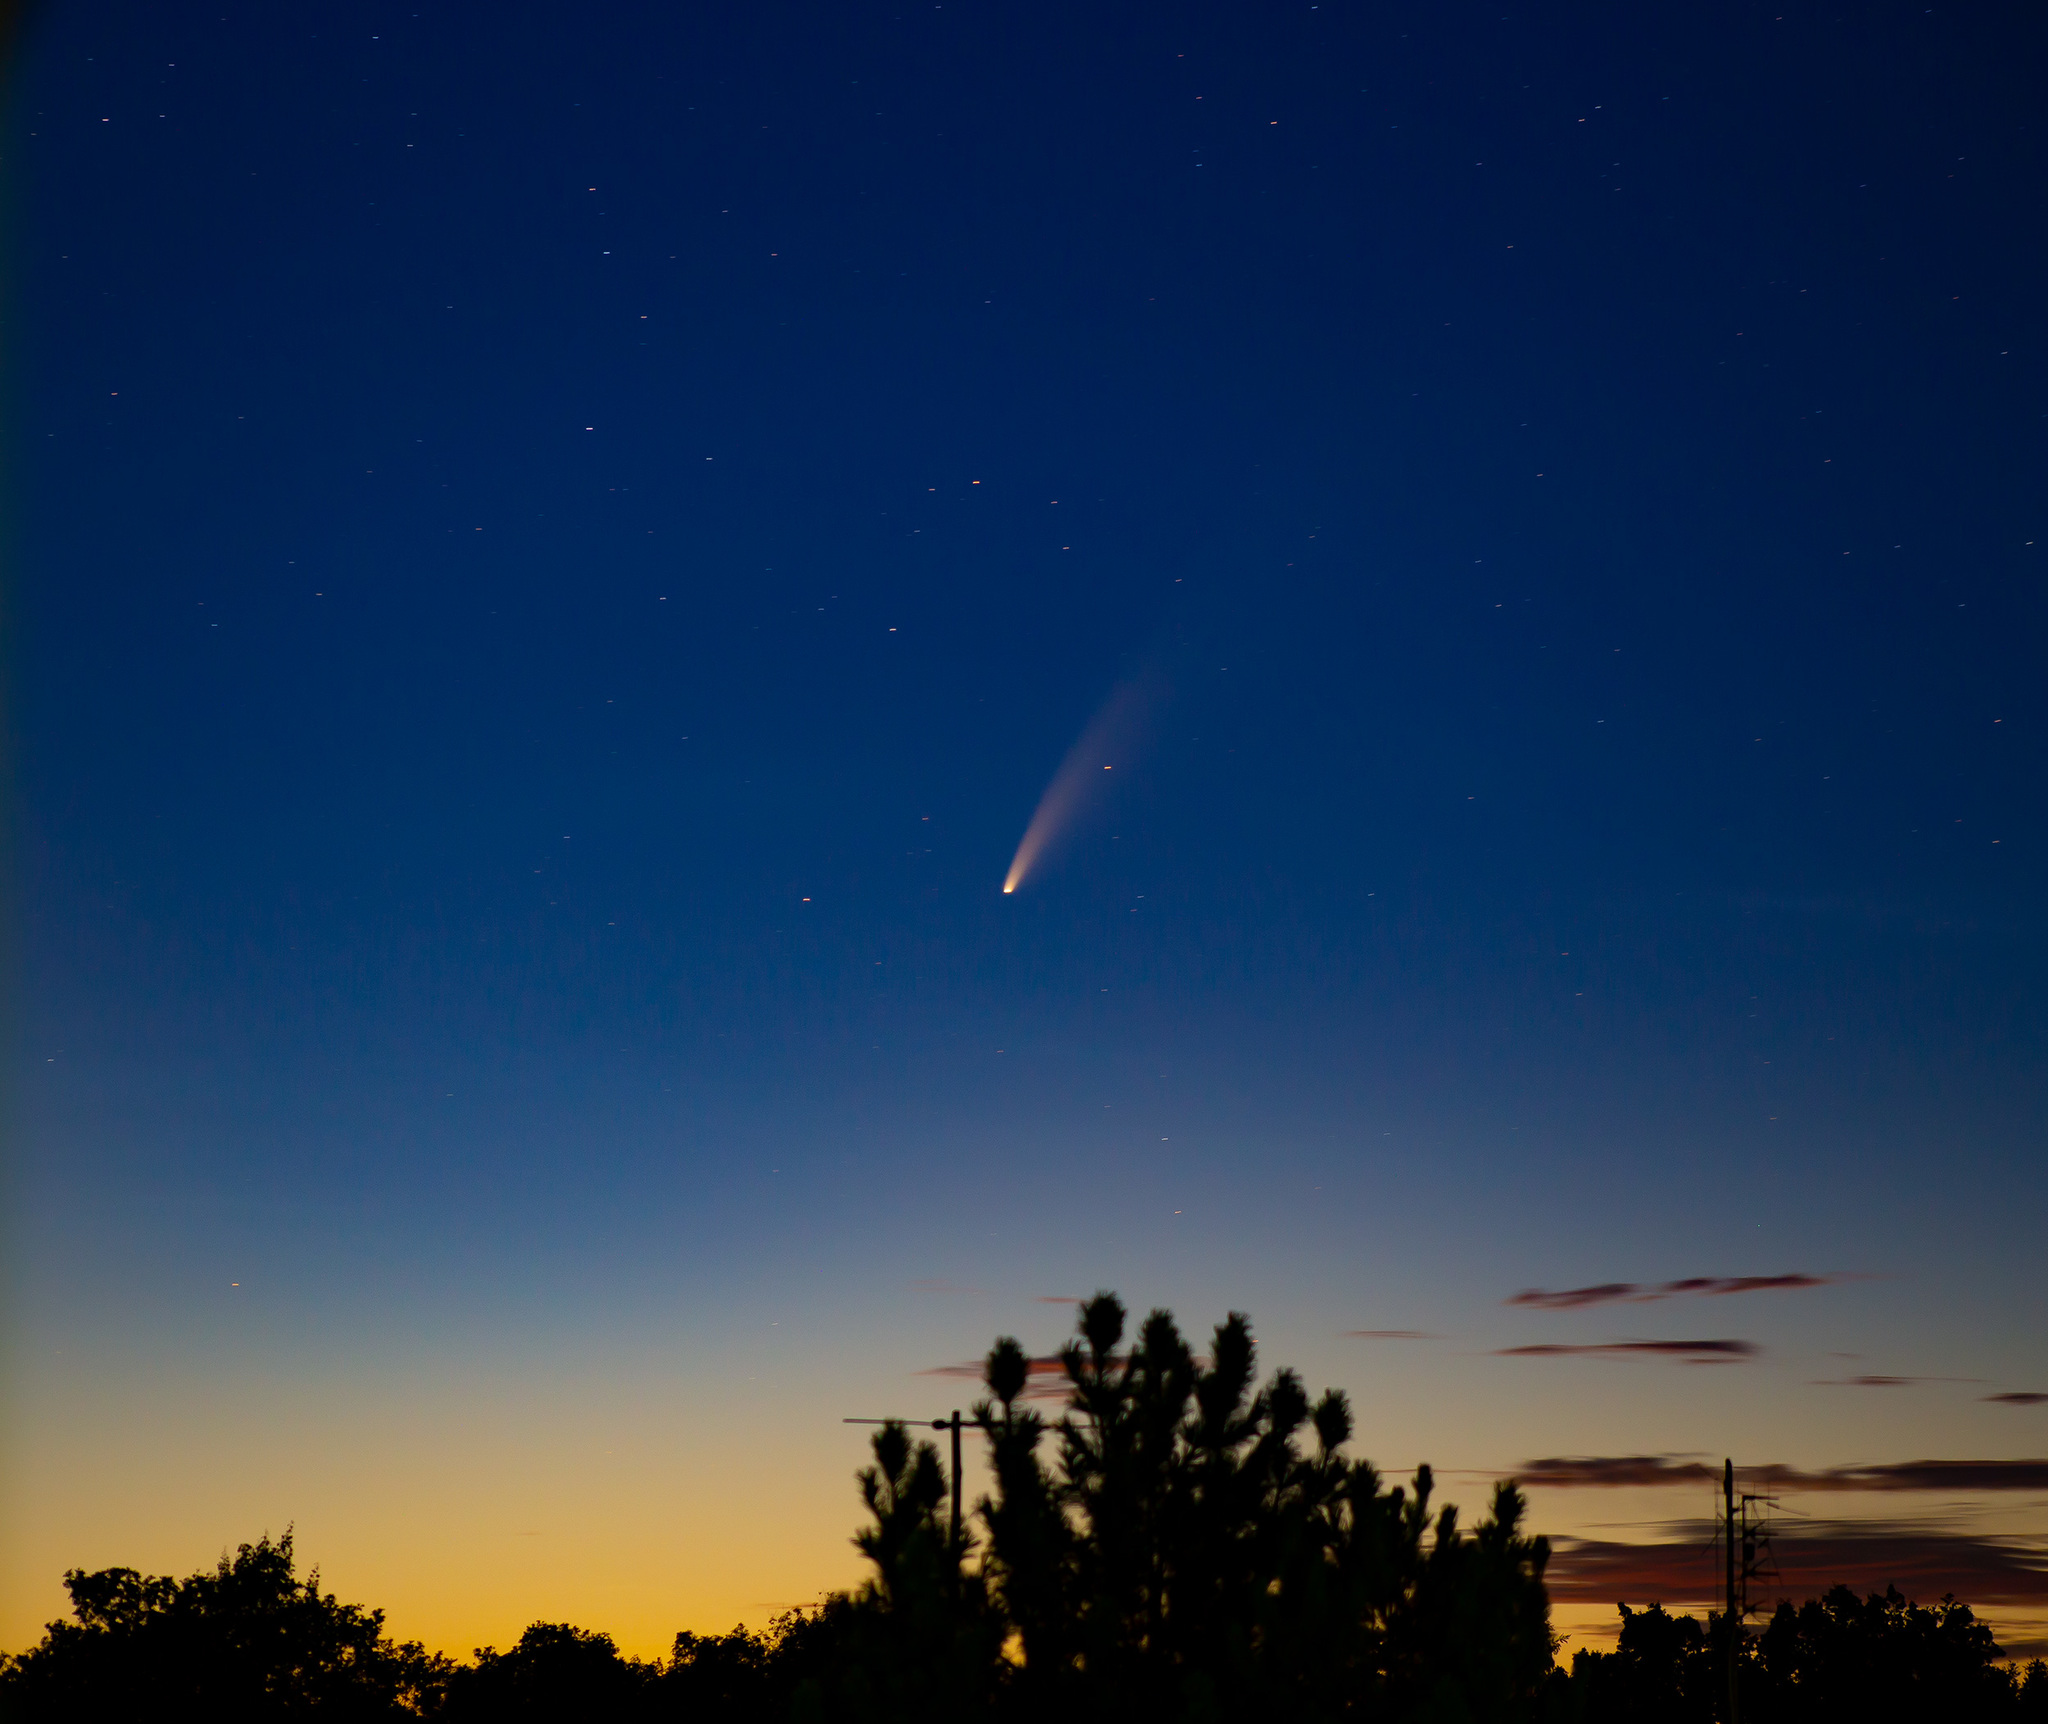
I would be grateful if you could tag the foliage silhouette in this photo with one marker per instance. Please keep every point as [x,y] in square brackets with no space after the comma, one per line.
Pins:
[1663,1667]
[1839,1657]
[919,1641]
[1831,1660]
[1186,1556]
[553,1672]
[1195,1547]
[246,1641]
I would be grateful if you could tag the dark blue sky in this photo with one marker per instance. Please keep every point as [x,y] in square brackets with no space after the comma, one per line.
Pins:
[558,550]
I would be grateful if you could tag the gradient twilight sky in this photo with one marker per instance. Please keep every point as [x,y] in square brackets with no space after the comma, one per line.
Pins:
[557,551]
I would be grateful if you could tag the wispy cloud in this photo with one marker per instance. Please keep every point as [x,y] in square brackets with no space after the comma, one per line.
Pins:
[1868,1556]
[1572,1298]
[1714,1286]
[1935,1476]
[1576,1472]
[1056,1299]
[1875,1381]
[1637,1293]
[1391,1335]
[1715,1352]
[2021,1398]
[1044,1379]
[1568,1472]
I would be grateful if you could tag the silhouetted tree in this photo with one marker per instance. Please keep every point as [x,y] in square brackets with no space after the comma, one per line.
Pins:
[710,1678]
[555,1672]
[1831,1660]
[247,1641]
[2030,1690]
[1182,1556]
[1663,1667]
[918,1642]
[1840,1657]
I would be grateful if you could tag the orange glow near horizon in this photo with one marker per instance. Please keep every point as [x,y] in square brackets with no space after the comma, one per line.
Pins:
[625,1490]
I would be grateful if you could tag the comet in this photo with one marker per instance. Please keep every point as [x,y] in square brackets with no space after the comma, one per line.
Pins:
[1111,739]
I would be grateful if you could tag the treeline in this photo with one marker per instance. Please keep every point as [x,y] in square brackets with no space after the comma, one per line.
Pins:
[1179,1545]
[1835,1658]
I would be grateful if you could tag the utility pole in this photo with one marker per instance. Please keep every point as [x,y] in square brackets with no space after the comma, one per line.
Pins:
[1745,1526]
[955,1425]
[1730,1621]
[956,1476]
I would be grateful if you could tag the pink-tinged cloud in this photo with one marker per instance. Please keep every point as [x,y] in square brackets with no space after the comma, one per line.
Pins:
[1044,1379]
[2021,1398]
[1716,1352]
[1714,1286]
[1606,1471]
[1056,1299]
[1572,1298]
[1634,1293]
[1391,1335]
[1977,1568]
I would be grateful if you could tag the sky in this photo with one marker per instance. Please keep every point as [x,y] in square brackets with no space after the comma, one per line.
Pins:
[555,555]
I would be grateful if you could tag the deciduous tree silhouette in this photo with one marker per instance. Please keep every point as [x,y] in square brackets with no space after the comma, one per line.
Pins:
[553,1672]
[1839,1659]
[725,1676]
[247,1641]
[1663,1667]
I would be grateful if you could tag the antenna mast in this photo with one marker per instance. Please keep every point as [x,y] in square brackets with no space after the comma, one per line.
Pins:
[1746,1550]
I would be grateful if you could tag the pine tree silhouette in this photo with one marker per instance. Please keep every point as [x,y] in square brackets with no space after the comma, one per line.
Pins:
[1183,1556]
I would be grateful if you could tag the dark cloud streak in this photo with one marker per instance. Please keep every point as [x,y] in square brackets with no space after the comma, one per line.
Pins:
[1577,1472]
[1870,1381]
[1606,1472]
[1634,1293]
[1714,1352]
